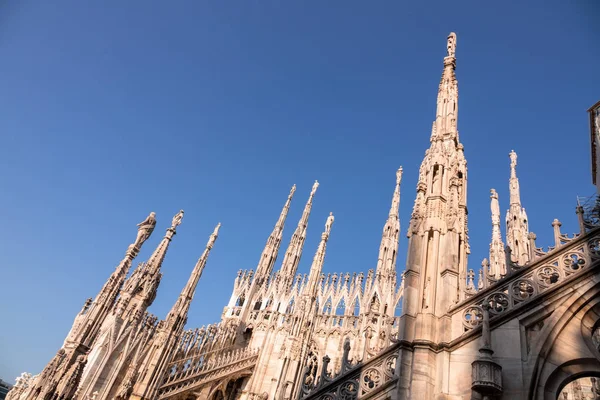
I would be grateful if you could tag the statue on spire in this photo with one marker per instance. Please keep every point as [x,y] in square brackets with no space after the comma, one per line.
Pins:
[495,206]
[146,227]
[213,237]
[451,46]
[513,159]
[314,188]
[399,176]
[329,223]
[177,220]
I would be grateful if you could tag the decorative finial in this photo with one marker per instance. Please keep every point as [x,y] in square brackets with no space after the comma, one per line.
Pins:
[329,223]
[216,231]
[293,190]
[177,220]
[451,45]
[493,194]
[399,176]
[314,188]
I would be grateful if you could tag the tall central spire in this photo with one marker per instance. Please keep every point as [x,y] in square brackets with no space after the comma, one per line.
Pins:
[438,244]
[294,250]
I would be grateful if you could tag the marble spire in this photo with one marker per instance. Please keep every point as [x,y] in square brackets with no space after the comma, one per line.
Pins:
[497,268]
[294,250]
[271,250]
[388,249]
[517,225]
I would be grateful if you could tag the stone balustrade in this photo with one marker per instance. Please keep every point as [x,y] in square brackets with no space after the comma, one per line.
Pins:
[362,380]
[525,284]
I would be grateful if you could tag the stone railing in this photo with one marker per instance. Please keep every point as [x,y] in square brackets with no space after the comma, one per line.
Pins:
[363,380]
[201,368]
[527,283]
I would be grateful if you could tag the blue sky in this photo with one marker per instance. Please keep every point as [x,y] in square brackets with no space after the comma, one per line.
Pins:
[110,110]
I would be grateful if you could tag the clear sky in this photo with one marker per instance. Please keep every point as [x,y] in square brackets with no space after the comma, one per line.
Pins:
[112,109]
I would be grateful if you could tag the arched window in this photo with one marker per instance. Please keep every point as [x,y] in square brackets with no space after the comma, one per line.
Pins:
[269,302]
[240,300]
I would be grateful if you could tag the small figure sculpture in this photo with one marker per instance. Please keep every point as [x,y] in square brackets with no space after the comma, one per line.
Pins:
[314,188]
[426,293]
[399,176]
[451,44]
[329,223]
[177,220]
[145,230]
[513,159]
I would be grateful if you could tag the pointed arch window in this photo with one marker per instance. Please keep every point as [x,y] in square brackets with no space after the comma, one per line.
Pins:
[240,301]
[269,303]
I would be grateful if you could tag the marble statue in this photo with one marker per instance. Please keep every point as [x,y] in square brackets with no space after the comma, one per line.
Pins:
[146,227]
[177,220]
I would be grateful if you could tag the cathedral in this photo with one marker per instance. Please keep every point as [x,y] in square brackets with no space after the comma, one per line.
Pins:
[525,326]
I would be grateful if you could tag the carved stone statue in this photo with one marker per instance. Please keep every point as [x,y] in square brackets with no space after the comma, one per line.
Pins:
[399,176]
[513,159]
[145,230]
[495,206]
[451,44]
[177,220]
[426,293]
[314,188]
[329,223]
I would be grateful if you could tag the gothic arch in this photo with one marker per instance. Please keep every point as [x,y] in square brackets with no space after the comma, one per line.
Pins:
[563,350]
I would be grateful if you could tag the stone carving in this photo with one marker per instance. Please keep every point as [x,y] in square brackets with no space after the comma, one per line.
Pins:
[145,229]
[451,45]
[595,388]
[329,223]
[570,259]
[177,220]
